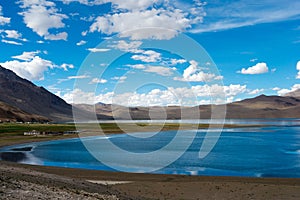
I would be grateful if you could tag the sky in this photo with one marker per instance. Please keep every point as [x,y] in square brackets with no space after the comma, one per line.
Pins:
[153,52]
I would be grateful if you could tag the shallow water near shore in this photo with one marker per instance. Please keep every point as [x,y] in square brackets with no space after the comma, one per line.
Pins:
[272,151]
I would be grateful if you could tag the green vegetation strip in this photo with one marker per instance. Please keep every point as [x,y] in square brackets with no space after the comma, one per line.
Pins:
[11,133]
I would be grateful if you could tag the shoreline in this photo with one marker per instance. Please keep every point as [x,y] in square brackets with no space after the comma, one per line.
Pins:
[122,185]
[152,186]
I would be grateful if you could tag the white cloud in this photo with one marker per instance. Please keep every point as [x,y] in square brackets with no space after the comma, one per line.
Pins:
[32,70]
[170,96]
[163,71]
[87,19]
[10,35]
[120,22]
[11,42]
[282,92]
[216,90]
[81,42]
[298,68]
[128,46]
[26,56]
[259,68]
[3,20]
[165,18]
[253,60]
[120,79]
[97,50]
[78,77]
[58,36]
[276,88]
[175,61]
[194,73]
[66,66]
[256,91]
[133,4]
[30,66]
[137,66]
[97,80]
[147,56]
[84,33]
[79,96]
[41,16]
[222,15]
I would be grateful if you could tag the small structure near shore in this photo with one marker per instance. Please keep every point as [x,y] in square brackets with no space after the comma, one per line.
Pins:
[34,132]
[37,133]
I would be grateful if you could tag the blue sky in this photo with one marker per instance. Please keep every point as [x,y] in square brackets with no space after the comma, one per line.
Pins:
[145,52]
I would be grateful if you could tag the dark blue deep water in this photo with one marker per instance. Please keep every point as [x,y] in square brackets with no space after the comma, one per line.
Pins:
[255,152]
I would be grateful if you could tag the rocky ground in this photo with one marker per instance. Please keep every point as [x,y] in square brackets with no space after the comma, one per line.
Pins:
[18,181]
[23,183]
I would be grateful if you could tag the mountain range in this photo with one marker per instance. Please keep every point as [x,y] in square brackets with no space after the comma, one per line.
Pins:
[21,100]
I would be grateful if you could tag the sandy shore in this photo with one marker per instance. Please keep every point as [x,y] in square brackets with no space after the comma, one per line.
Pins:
[21,181]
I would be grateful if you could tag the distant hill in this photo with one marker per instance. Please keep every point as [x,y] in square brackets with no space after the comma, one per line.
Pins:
[258,107]
[265,107]
[293,94]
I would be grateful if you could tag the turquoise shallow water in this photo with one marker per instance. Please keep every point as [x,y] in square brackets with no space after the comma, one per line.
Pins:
[256,152]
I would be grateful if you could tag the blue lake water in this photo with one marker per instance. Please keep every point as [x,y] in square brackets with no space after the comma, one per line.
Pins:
[256,152]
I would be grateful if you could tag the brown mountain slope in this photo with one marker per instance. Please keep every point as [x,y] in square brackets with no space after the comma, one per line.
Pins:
[26,96]
[258,107]
[293,94]
[12,114]
[261,107]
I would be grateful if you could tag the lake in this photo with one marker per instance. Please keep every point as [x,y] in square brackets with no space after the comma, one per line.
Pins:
[272,151]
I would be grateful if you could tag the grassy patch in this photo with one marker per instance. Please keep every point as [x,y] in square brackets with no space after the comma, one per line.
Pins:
[13,133]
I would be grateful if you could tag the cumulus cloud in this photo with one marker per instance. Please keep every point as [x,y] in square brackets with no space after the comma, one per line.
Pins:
[137,66]
[97,50]
[26,56]
[175,61]
[97,80]
[259,68]
[169,96]
[147,56]
[81,42]
[256,91]
[298,68]
[31,66]
[41,16]
[12,37]
[127,46]
[194,73]
[67,66]
[165,21]
[253,60]
[78,77]
[120,79]
[11,42]
[12,34]
[119,23]
[284,91]
[3,20]
[276,88]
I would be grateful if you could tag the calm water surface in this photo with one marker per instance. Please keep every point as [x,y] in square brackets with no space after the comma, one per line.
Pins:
[257,152]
